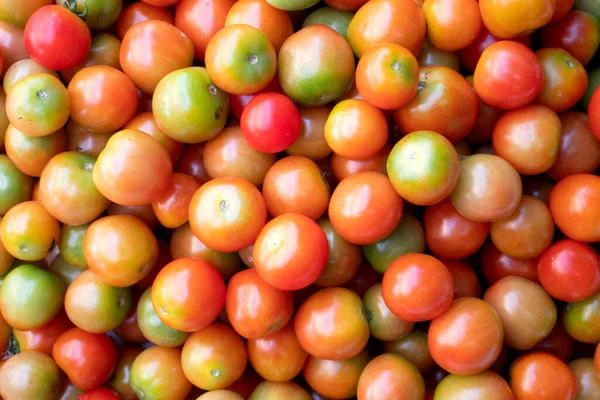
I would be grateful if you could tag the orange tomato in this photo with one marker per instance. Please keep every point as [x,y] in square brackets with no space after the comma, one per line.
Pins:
[507,19]
[140,12]
[452,24]
[146,123]
[172,207]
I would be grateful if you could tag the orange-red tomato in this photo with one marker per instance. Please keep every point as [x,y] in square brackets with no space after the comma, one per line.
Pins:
[390,376]
[42,339]
[191,162]
[140,12]
[146,123]
[452,24]
[172,207]
[507,19]
[540,374]
[30,154]
[336,379]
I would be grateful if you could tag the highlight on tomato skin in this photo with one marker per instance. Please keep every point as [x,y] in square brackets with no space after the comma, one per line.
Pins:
[299,199]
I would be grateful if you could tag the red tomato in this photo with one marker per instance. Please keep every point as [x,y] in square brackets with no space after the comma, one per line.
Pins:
[390,376]
[99,394]
[271,122]
[594,113]
[539,374]
[578,33]
[140,12]
[45,34]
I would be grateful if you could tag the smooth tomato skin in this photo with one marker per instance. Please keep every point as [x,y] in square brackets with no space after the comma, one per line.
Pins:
[18,14]
[466,281]
[279,390]
[452,114]
[588,383]
[342,167]
[157,373]
[579,319]
[346,5]
[214,357]
[85,140]
[507,19]
[347,332]
[290,252]
[254,308]
[496,265]
[488,189]
[572,205]
[42,339]
[30,154]
[17,186]
[380,21]
[88,359]
[597,358]
[594,113]
[200,20]
[485,385]
[151,50]
[121,377]
[191,162]
[103,91]
[565,79]
[417,287]
[238,103]
[431,56]
[12,44]
[151,326]
[172,207]
[99,394]
[44,33]
[558,342]
[182,287]
[271,122]
[449,235]
[140,12]
[578,33]
[145,122]
[496,81]
[275,23]
[423,167]
[383,324]
[145,213]
[464,354]
[133,169]
[539,374]
[227,214]
[452,25]
[336,379]
[387,76]
[21,69]
[569,270]
[277,357]
[38,105]
[390,376]
[29,375]
[529,323]
[343,261]
[357,224]
[294,184]
[221,394]
[189,95]
[125,264]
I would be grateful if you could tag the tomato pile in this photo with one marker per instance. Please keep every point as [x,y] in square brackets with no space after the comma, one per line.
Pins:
[296,200]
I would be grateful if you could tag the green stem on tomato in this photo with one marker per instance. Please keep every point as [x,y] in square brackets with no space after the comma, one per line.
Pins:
[71,5]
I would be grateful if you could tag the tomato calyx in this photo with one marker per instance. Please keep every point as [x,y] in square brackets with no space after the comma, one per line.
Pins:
[12,349]
[71,5]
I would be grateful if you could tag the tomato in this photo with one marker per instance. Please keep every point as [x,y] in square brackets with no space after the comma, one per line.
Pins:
[507,19]
[133,169]
[271,122]
[344,258]
[571,205]
[452,25]
[121,377]
[539,374]
[314,45]
[352,208]
[390,376]
[579,319]
[140,12]
[12,44]
[227,214]
[191,162]
[44,37]
[431,56]
[18,14]
[38,105]
[496,265]
[335,18]
[558,342]
[538,186]
[184,286]
[593,108]
[336,379]
[291,252]
[84,140]
[466,281]
[99,14]
[88,359]
[21,69]
[153,328]
[129,330]
[31,297]
[383,324]
[157,373]
[347,331]
[593,83]
[452,114]
[413,347]
[99,394]
[95,306]
[146,123]
[387,76]
[496,81]
[104,91]
[190,95]
[485,385]
[488,188]
[214,357]
[588,383]
[279,390]
[246,384]
[171,208]
[578,33]
[277,357]
[532,321]
[380,21]
[29,375]
[16,187]
[42,339]
[597,359]
[103,51]
[29,232]
[220,395]
[65,271]
[145,213]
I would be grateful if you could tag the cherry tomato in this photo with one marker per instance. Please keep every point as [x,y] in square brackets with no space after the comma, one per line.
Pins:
[452,25]
[152,326]
[336,379]
[485,385]
[431,56]
[578,33]
[191,162]
[104,51]
[84,140]
[383,324]
[413,347]
[593,114]
[29,375]
[145,213]
[100,14]
[171,208]
[291,252]
[42,339]
[99,394]
[466,281]
[311,142]
[496,265]
[220,395]
[558,342]
[21,69]
[30,154]
[88,359]
[390,376]
[12,44]
[507,19]
[344,258]
[121,377]
[579,319]
[140,12]
[279,390]
[539,374]
[145,122]
[16,187]
[44,37]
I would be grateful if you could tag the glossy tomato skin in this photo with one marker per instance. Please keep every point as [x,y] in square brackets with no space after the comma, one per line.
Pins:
[140,12]
[429,294]
[30,154]
[21,69]
[579,319]
[344,258]
[496,265]
[485,385]
[594,114]
[347,333]
[466,281]
[43,338]
[383,324]
[311,142]
[414,348]
[496,82]
[271,122]
[191,162]
[290,252]
[152,326]
[558,342]
[578,33]
[390,376]
[279,390]
[145,122]
[184,285]
[571,202]
[44,37]
[452,25]
[99,394]
[12,44]
[431,56]
[29,375]
[18,14]
[542,374]
[172,207]
[507,19]
[336,379]
[18,187]
[466,354]
[88,359]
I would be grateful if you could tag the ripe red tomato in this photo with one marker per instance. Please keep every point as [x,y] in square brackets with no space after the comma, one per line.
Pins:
[99,394]
[42,339]
[140,12]
[390,376]
[578,33]
[45,34]
[594,113]
[271,122]
[537,374]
